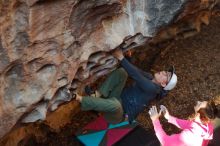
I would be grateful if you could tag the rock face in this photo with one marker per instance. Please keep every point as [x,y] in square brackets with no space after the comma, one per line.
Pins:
[51,47]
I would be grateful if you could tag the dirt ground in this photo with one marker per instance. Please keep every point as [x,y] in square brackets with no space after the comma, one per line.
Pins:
[197,63]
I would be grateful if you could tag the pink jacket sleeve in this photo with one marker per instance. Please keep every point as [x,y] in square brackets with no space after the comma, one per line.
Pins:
[160,133]
[182,124]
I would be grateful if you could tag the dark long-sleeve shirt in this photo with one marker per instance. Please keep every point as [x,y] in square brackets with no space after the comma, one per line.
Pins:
[138,95]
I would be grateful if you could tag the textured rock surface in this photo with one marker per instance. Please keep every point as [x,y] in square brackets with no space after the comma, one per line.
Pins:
[49,46]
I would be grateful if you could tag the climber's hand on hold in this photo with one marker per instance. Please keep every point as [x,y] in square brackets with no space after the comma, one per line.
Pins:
[117,53]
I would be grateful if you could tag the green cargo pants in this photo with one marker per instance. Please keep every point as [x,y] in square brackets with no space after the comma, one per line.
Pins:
[110,101]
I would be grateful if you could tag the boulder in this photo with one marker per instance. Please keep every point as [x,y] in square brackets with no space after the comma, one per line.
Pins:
[51,47]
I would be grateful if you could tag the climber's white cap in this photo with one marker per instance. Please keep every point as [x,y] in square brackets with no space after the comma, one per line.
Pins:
[173,80]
